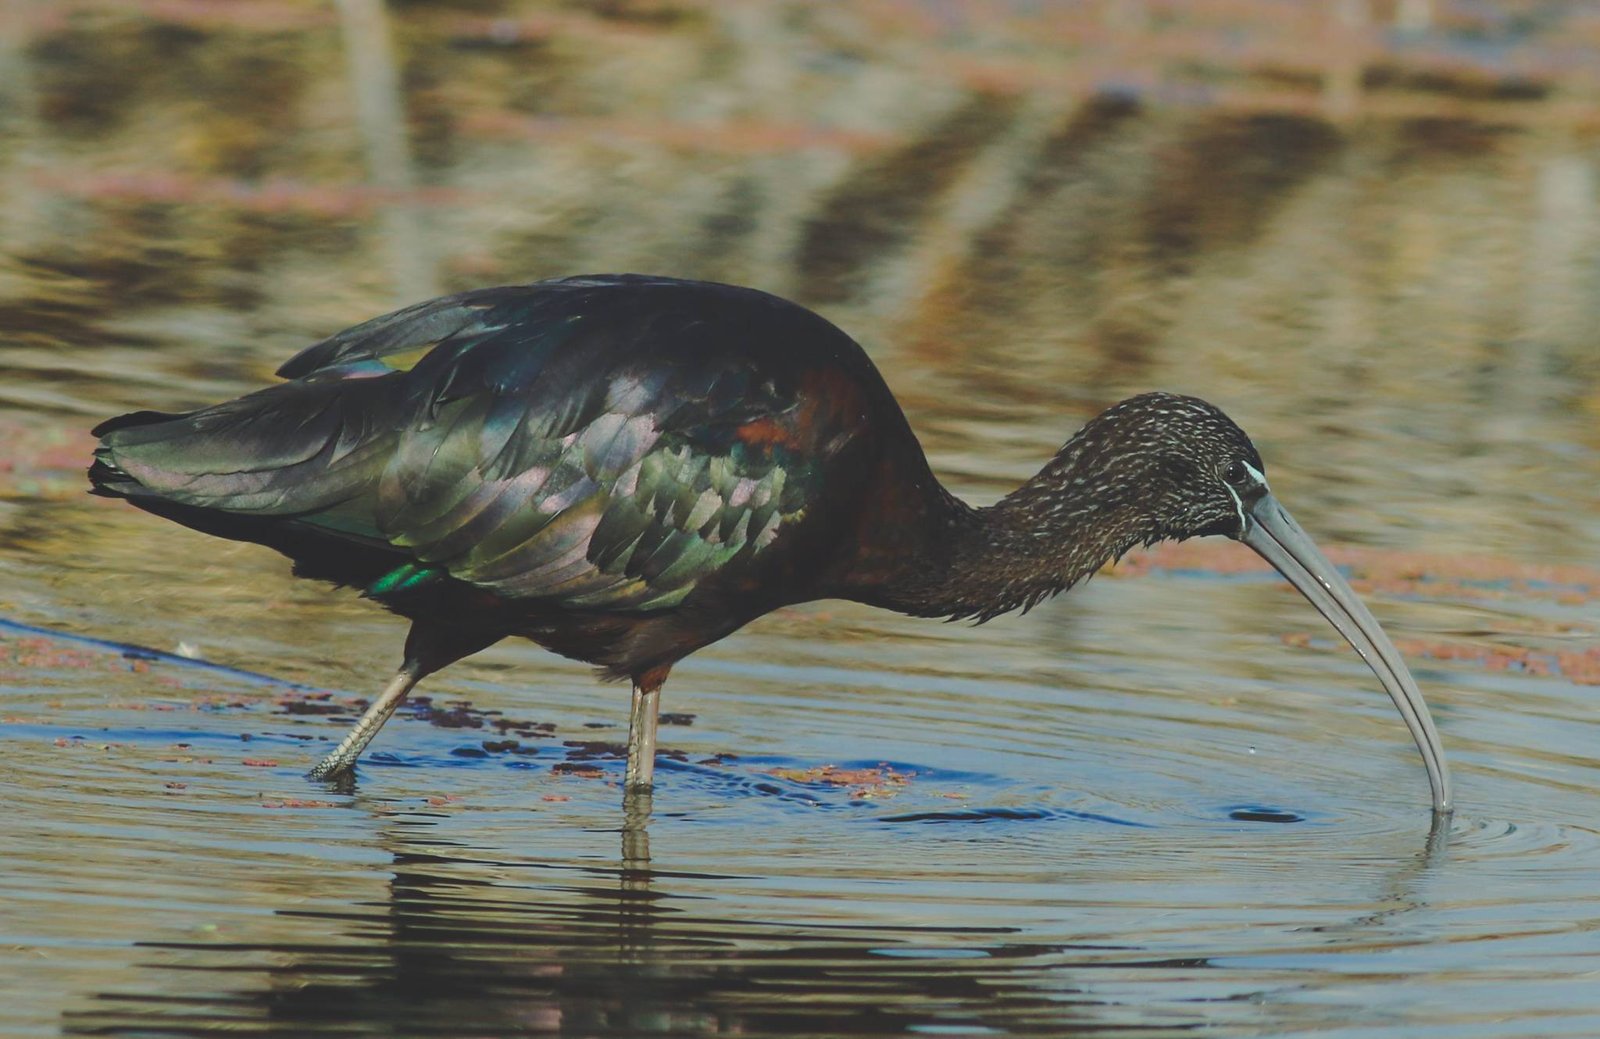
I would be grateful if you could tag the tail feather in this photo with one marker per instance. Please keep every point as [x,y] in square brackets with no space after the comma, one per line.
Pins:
[106,478]
[282,468]
[107,481]
[291,450]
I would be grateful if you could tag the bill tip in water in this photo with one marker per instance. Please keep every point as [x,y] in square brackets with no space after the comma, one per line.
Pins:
[1274,535]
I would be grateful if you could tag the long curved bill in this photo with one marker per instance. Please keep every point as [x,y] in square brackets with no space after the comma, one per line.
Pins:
[1278,539]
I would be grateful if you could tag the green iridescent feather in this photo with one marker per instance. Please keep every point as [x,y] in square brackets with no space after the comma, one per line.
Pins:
[509,440]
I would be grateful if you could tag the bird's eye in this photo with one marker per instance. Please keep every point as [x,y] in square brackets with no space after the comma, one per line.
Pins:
[1236,473]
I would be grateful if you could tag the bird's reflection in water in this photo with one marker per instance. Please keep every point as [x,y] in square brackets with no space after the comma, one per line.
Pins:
[466,945]
[634,875]
[637,804]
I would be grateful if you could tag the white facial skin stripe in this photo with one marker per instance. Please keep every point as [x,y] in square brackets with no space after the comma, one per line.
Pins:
[1238,505]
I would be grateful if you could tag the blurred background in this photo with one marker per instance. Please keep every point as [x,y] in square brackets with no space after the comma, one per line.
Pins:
[1367,229]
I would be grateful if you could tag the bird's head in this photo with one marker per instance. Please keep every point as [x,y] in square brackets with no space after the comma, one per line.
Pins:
[1166,467]
[1161,466]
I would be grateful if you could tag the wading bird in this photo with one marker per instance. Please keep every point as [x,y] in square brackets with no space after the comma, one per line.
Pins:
[625,469]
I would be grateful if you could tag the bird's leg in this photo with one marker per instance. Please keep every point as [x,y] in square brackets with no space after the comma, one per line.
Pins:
[642,729]
[343,758]
[429,647]
[642,738]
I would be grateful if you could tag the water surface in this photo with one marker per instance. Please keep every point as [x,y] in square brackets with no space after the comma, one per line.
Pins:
[1170,801]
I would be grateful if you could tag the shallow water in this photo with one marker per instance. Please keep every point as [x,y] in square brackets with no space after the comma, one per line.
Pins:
[1169,801]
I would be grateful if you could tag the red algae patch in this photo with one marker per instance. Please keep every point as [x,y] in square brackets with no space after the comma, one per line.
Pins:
[76,742]
[1580,667]
[276,195]
[1387,570]
[1445,578]
[42,461]
[1209,556]
[864,783]
[39,652]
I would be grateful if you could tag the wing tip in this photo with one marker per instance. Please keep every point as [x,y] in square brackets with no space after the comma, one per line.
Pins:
[305,362]
[133,419]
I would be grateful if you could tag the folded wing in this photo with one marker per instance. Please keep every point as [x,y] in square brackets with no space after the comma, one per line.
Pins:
[517,440]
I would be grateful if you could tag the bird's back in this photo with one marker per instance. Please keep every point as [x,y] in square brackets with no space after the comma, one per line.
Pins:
[598,444]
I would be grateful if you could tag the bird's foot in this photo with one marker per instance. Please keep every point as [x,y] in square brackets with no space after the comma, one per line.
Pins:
[335,768]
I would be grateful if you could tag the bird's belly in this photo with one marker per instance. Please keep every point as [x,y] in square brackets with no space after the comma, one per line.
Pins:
[627,644]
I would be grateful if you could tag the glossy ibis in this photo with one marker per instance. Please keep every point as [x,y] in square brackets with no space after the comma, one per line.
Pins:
[625,469]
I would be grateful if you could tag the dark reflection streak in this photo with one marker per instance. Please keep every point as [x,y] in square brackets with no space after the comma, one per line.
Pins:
[875,210]
[1403,882]
[466,859]
[993,282]
[826,932]
[1433,849]
[1401,896]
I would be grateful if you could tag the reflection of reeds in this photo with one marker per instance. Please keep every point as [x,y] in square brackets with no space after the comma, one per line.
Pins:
[380,118]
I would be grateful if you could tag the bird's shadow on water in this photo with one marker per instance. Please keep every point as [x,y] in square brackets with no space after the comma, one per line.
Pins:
[130,651]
